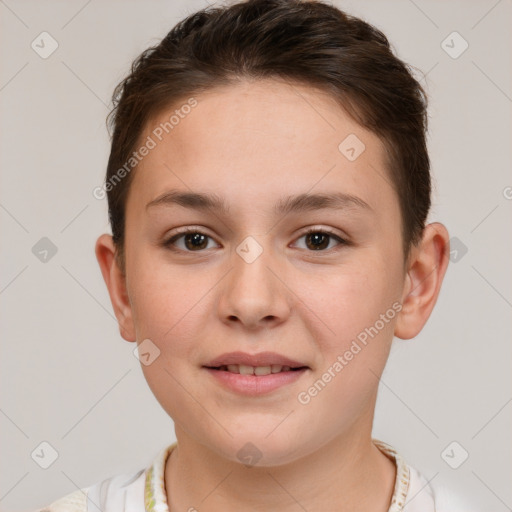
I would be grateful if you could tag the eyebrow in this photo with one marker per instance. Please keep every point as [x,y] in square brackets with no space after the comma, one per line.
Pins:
[290,204]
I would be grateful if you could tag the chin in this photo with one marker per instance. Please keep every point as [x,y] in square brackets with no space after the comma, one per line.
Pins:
[258,449]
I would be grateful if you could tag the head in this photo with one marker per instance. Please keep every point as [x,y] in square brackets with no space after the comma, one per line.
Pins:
[250,126]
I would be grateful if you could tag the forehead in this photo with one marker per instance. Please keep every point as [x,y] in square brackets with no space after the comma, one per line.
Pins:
[259,139]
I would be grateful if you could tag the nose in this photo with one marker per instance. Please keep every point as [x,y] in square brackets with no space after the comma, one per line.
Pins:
[254,294]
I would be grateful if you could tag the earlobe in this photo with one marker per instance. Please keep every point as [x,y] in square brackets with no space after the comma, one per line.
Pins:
[116,284]
[424,277]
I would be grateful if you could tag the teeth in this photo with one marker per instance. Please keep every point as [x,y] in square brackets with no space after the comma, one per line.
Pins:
[262,370]
[254,370]
[246,370]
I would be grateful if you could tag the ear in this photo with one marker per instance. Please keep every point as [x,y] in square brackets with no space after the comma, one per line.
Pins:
[116,283]
[426,269]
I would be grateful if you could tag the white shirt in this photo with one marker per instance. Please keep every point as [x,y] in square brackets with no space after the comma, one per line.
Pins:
[144,491]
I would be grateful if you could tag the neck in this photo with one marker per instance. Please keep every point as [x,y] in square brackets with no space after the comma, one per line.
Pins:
[345,474]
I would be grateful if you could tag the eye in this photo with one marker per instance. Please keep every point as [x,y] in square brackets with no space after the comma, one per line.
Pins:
[318,239]
[193,241]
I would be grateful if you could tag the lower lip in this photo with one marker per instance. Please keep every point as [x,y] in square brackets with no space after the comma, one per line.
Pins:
[254,385]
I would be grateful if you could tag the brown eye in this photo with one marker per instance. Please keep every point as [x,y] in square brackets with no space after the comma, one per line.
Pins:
[318,240]
[193,241]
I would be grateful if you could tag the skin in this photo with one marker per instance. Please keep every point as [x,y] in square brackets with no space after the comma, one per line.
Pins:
[252,144]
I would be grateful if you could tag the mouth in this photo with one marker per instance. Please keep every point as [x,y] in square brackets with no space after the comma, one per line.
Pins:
[243,369]
[255,374]
[262,363]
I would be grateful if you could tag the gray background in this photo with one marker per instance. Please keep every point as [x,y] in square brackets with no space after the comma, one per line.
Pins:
[68,378]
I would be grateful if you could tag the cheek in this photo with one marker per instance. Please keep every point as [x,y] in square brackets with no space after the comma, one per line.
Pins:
[350,301]
[166,301]
[354,348]
[170,308]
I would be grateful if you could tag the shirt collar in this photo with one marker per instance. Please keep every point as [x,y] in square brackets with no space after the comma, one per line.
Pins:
[155,497]
[402,479]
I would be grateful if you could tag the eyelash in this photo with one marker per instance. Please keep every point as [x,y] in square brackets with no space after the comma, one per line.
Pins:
[191,230]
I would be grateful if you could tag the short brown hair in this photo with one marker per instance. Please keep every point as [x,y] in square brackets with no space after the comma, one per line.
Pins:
[306,42]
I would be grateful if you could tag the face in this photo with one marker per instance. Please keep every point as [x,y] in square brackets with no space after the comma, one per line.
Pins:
[249,278]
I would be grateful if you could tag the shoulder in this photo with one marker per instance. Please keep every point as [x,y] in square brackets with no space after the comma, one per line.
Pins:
[110,494]
[74,502]
[414,493]
[114,494]
[446,499]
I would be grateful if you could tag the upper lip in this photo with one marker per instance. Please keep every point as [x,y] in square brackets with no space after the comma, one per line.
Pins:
[260,359]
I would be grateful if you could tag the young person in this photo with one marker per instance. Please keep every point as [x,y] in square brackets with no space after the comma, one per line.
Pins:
[268,188]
